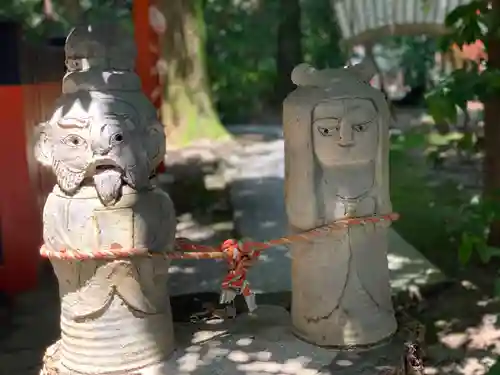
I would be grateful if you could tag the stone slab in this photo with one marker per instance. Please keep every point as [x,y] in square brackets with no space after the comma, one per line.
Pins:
[264,344]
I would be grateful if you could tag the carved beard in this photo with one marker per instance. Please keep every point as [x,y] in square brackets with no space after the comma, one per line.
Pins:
[68,180]
[108,184]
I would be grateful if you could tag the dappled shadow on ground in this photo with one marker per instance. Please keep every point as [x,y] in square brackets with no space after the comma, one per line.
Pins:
[261,344]
[205,217]
[462,328]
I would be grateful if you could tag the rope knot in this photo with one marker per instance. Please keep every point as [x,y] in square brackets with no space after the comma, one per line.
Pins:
[239,257]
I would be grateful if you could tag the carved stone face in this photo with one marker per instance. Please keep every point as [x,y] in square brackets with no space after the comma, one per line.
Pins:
[345,131]
[99,146]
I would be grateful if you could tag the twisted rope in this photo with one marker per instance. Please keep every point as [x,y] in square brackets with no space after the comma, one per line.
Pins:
[239,255]
[186,250]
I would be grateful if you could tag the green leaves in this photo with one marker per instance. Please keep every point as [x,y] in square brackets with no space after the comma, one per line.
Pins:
[442,105]
[469,243]
[466,248]
[461,86]
[241,55]
[475,219]
[468,23]
[414,53]
[487,252]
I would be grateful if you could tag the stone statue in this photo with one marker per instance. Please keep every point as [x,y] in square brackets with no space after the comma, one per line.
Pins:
[336,130]
[103,143]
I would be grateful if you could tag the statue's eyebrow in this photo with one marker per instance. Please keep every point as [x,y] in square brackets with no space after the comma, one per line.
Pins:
[124,119]
[73,123]
[356,106]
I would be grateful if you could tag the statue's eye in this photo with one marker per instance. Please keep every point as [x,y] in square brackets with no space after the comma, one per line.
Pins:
[74,140]
[360,127]
[327,132]
[117,138]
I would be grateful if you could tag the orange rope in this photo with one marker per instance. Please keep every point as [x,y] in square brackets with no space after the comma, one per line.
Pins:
[193,251]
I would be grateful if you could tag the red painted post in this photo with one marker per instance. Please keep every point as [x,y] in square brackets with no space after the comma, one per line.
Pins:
[148,24]
[20,224]
[27,92]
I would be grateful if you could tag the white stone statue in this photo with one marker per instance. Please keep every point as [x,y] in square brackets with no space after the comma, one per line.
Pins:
[336,130]
[103,143]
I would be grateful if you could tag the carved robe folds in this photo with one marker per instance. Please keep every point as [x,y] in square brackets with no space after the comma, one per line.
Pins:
[115,315]
[336,166]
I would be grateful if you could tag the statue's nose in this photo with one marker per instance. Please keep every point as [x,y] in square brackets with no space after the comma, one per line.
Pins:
[100,148]
[346,134]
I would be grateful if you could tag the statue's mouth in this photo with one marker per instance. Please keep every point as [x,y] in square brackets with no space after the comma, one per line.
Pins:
[102,165]
[105,167]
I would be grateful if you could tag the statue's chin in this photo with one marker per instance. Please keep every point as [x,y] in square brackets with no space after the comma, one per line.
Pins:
[108,184]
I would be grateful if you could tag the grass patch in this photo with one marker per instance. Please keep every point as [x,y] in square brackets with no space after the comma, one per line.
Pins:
[426,210]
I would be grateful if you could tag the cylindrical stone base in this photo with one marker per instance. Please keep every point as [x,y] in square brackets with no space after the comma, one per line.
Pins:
[341,294]
[52,365]
[119,321]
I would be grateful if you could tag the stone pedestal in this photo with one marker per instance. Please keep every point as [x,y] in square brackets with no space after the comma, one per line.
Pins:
[336,131]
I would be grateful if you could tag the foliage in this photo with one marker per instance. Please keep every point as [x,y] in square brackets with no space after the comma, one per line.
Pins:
[425,207]
[321,35]
[417,58]
[240,40]
[468,24]
[414,53]
[241,45]
[27,12]
[473,222]
[241,65]
[450,217]
[30,14]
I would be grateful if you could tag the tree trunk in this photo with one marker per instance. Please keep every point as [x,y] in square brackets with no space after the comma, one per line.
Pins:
[187,110]
[289,52]
[491,170]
